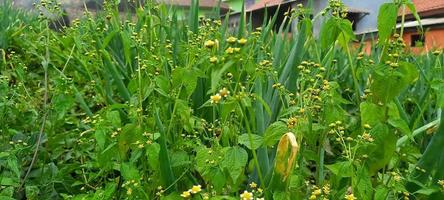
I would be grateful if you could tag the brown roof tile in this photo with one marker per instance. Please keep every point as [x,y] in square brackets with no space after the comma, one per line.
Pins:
[427,7]
[202,3]
[270,3]
[264,3]
[97,4]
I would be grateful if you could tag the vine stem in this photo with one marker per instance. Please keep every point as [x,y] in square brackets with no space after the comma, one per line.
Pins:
[45,64]
[177,180]
[139,82]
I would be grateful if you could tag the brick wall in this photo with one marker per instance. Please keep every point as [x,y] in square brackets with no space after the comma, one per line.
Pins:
[434,39]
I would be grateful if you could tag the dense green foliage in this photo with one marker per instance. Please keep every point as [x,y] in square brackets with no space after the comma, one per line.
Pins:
[157,108]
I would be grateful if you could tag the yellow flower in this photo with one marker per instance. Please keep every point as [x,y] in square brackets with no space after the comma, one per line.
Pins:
[209,43]
[397,178]
[215,98]
[253,185]
[242,41]
[229,50]
[317,192]
[236,49]
[312,197]
[441,182]
[326,189]
[213,59]
[246,195]
[224,92]
[186,194]
[302,111]
[231,40]
[367,137]
[195,189]
[292,122]
[129,191]
[367,126]
[350,197]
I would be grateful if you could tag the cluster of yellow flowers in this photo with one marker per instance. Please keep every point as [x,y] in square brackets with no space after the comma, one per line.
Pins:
[246,195]
[366,136]
[194,190]
[337,9]
[129,184]
[406,195]
[441,183]
[230,50]
[160,191]
[396,176]
[320,193]
[215,99]
[213,59]
[232,40]
[115,133]
[350,197]
[18,142]
[336,127]
[314,195]
[211,43]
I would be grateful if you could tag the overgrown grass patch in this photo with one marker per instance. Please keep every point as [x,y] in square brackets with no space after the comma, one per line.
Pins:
[159,108]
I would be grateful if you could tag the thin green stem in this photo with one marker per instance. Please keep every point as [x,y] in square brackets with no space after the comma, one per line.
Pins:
[402,20]
[418,131]
[173,114]
[139,81]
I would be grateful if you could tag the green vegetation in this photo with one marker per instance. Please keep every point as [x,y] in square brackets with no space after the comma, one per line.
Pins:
[159,108]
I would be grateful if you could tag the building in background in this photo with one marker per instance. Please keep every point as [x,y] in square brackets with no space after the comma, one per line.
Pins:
[59,18]
[75,8]
[418,40]
[207,8]
[363,14]
[234,5]
[432,20]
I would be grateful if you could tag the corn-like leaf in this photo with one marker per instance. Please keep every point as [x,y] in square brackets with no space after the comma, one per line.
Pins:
[286,153]
[164,159]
